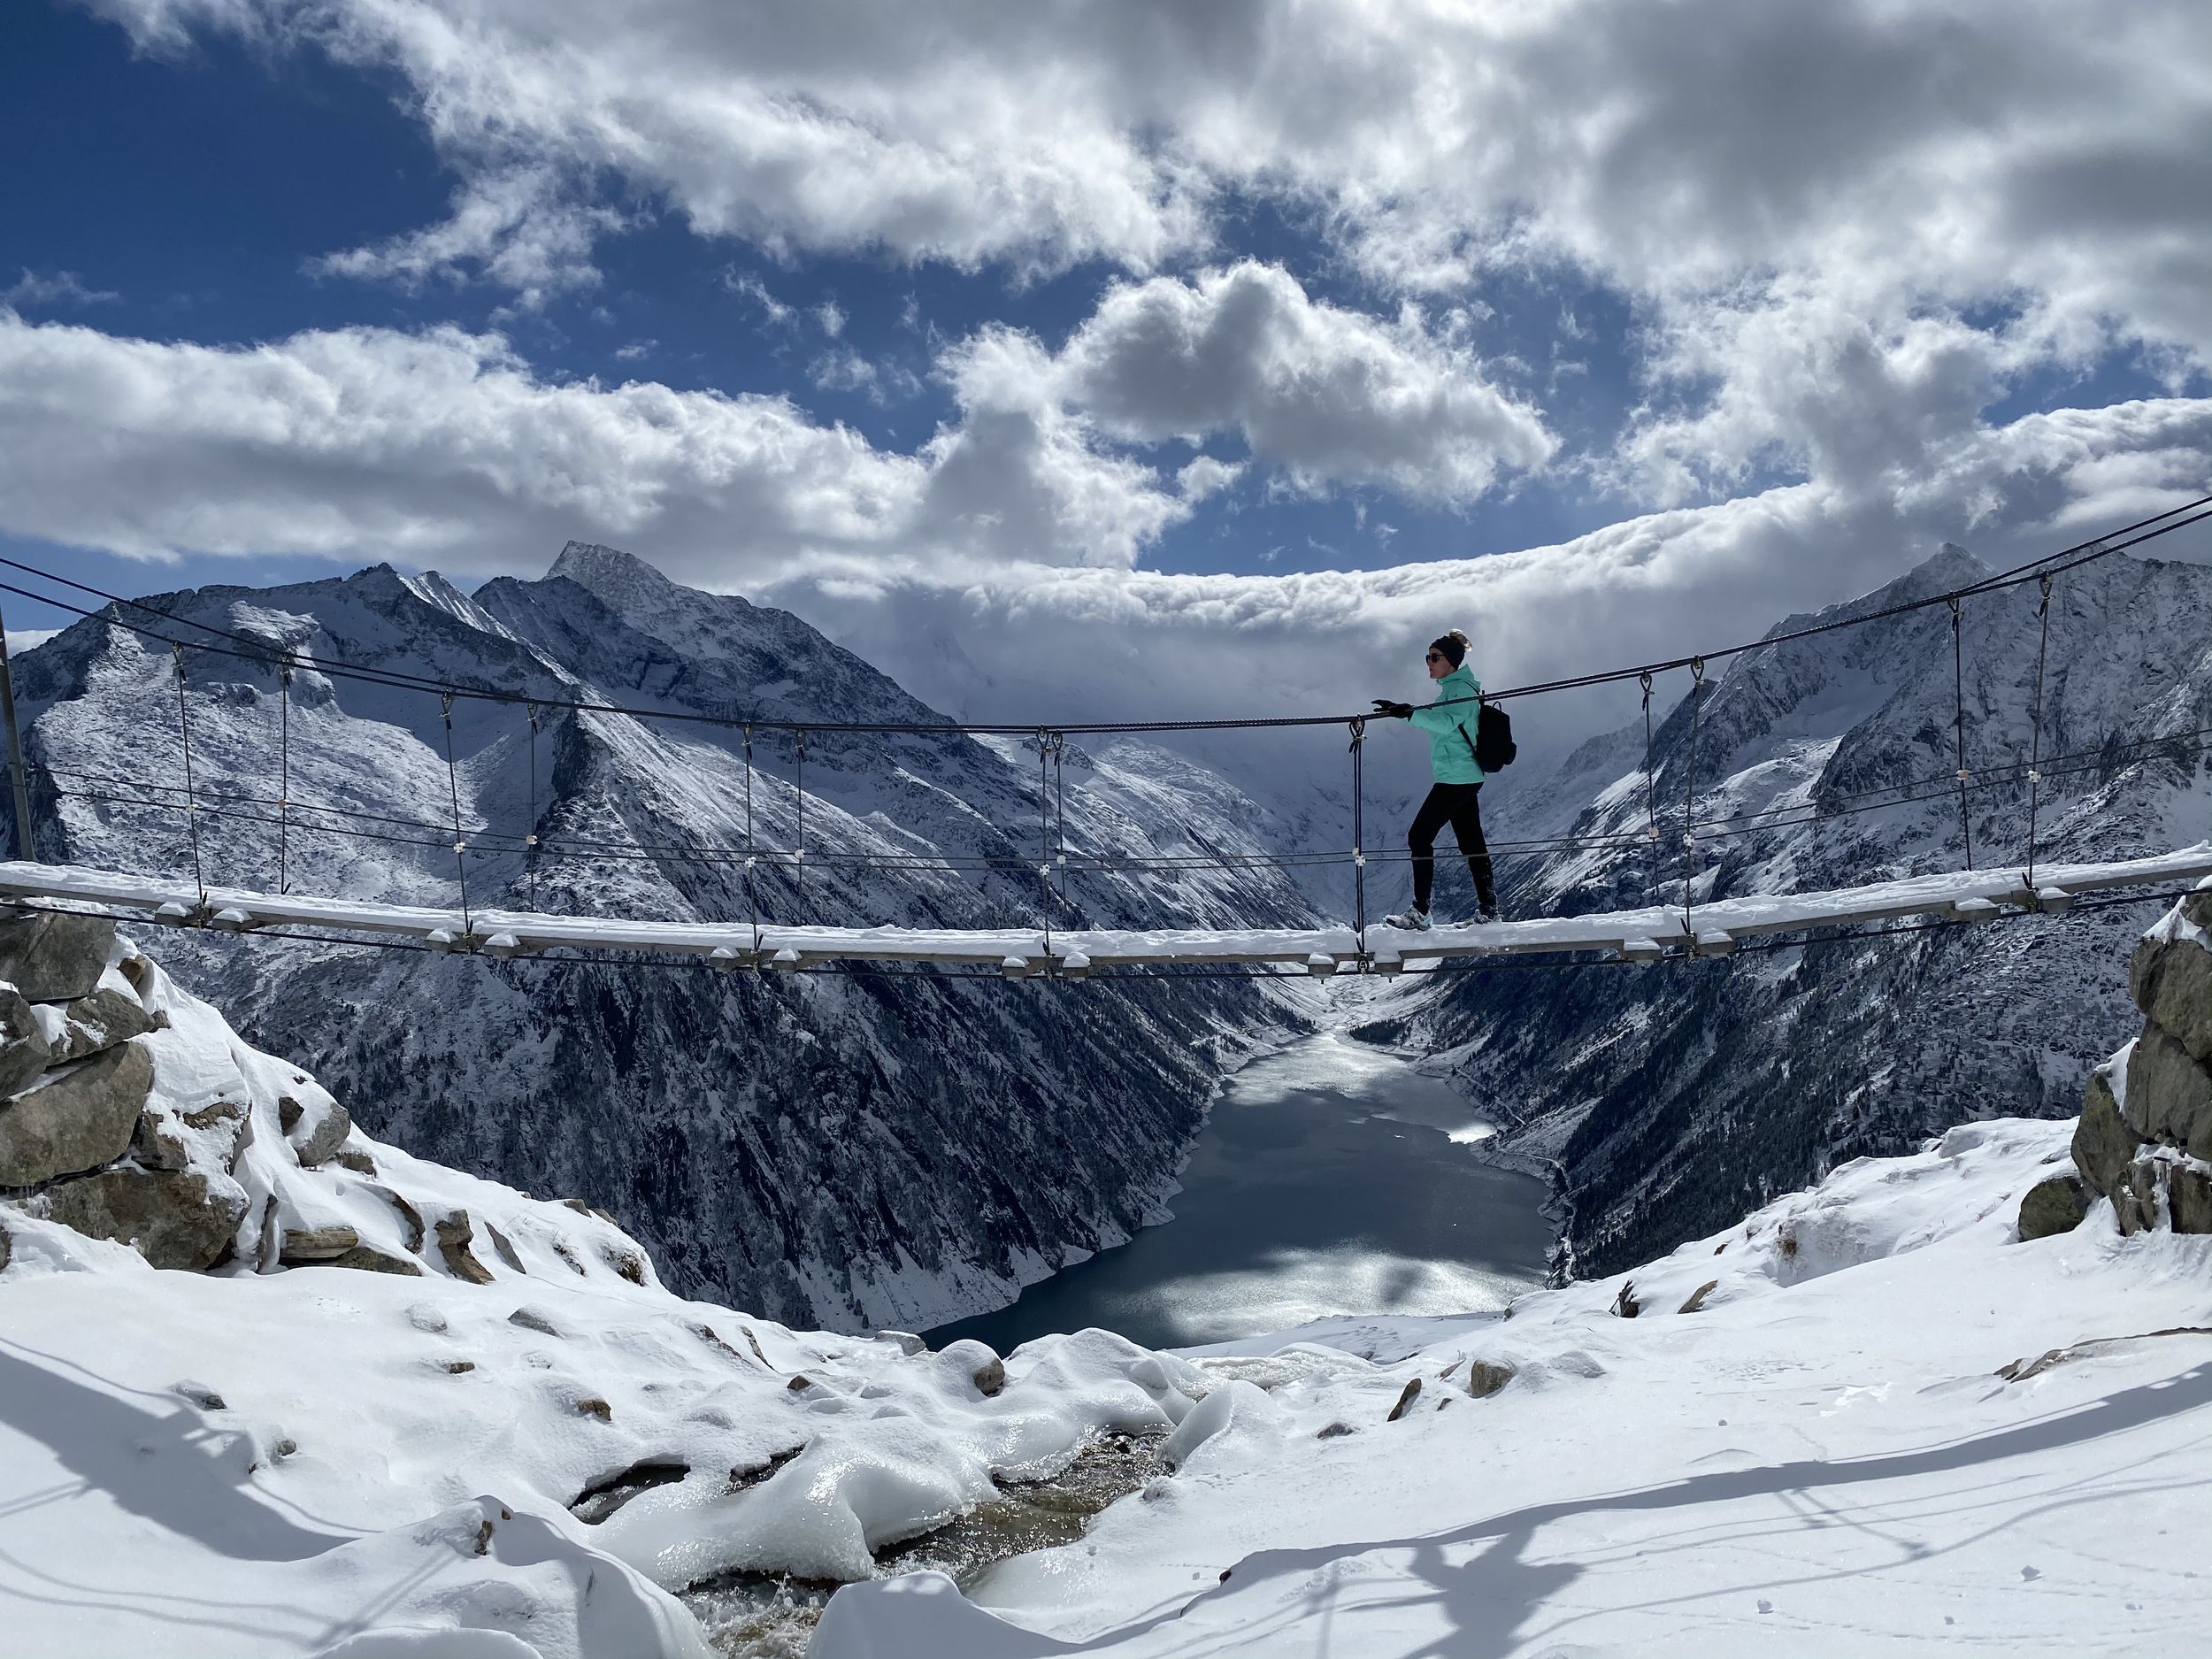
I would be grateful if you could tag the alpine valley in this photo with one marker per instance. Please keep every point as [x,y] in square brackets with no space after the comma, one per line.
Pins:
[839,1149]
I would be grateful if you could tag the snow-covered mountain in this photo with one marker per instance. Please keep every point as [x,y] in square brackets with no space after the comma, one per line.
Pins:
[845,1148]
[1670,1099]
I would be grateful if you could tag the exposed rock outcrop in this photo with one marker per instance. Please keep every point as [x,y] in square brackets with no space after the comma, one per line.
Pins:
[74,1119]
[51,957]
[174,1218]
[2145,1138]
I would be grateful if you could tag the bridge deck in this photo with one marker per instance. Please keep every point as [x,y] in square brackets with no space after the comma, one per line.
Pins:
[1645,934]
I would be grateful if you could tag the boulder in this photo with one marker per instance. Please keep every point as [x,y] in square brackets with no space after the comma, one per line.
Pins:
[2057,1205]
[1410,1393]
[2189,1198]
[94,1024]
[323,1142]
[2136,1195]
[2103,1143]
[53,957]
[316,1244]
[157,1145]
[24,1052]
[2169,1093]
[370,1260]
[77,1119]
[7,1249]
[172,1218]
[2171,982]
[1486,1376]
[454,1233]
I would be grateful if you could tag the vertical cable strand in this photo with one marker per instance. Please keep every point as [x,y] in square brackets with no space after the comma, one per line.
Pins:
[284,773]
[530,835]
[1689,790]
[2035,742]
[1044,842]
[1958,726]
[191,810]
[453,793]
[1359,852]
[752,852]
[1651,793]
[798,858]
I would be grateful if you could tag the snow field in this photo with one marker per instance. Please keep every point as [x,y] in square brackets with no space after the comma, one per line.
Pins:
[1822,1459]
[265,1460]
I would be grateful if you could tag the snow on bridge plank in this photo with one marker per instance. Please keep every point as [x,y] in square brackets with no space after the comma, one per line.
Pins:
[1707,928]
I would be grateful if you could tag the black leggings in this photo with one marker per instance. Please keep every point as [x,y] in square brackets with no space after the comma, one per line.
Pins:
[1457,804]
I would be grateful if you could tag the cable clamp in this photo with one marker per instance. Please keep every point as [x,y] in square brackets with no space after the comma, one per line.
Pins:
[2035,777]
[1359,859]
[1964,775]
[460,846]
[529,841]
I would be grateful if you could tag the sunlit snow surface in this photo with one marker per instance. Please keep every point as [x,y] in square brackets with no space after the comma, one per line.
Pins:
[1821,1461]
[1824,1460]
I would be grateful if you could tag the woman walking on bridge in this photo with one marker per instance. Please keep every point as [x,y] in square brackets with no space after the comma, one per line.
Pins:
[1451,722]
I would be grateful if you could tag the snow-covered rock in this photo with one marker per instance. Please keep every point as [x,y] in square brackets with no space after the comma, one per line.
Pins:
[862,1150]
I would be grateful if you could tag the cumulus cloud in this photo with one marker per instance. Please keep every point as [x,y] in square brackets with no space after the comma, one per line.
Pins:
[1858,167]
[1329,396]
[1206,476]
[371,443]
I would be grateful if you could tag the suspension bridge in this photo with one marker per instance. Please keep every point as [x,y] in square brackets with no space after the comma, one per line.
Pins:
[1656,932]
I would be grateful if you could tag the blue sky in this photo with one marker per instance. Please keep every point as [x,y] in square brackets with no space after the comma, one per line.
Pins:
[932,312]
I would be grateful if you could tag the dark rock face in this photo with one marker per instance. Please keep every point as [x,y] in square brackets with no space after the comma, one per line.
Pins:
[2145,1147]
[52,957]
[2054,1206]
[172,1218]
[2168,1093]
[2103,1143]
[77,1121]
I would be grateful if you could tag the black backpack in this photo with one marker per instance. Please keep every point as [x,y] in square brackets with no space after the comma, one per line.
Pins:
[1493,742]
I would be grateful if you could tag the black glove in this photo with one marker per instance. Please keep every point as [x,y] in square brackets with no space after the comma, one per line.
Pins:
[1394,710]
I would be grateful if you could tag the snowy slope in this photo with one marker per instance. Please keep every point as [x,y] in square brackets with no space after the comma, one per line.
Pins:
[1866,1418]
[854,1150]
[1827,1459]
[280,1460]
[1672,1099]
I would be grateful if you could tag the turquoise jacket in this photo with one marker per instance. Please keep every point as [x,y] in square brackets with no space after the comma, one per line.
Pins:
[1452,730]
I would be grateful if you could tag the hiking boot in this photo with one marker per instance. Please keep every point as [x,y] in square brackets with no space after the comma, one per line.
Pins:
[1488,913]
[1411,921]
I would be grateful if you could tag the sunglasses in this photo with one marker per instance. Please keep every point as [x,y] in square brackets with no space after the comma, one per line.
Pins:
[1436,656]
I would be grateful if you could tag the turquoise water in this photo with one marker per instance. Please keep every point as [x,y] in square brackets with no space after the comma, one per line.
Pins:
[1332,1179]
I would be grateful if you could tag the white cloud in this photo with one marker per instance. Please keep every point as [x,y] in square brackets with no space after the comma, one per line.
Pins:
[1206,476]
[831,316]
[1329,396]
[1932,157]
[63,288]
[369,443]
[513,227]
